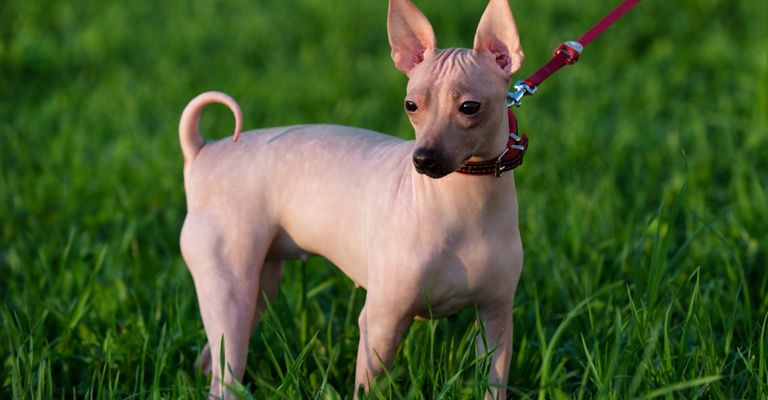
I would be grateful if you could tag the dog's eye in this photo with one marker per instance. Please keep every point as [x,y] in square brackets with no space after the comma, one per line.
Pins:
[411,106]
[469,107]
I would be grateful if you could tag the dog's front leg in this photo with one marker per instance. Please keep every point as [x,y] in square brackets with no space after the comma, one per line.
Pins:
[497,322]
[381,330]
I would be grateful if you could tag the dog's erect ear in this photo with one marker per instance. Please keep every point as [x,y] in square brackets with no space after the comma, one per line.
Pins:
[410,34]
[497,34]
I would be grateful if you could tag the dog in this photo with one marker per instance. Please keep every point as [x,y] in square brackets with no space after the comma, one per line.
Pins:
[395,216]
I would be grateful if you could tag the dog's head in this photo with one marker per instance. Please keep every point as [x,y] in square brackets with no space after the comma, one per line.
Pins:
[456,98]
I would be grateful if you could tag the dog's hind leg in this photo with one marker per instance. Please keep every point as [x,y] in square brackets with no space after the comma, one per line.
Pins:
[271,274]
[226,268]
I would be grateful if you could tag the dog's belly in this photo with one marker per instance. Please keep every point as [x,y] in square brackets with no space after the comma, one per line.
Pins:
[284,247]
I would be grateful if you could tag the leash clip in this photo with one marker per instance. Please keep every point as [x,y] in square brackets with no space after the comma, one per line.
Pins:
[521,89]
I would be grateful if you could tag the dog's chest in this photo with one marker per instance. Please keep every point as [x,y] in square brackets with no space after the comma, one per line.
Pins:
[445,267]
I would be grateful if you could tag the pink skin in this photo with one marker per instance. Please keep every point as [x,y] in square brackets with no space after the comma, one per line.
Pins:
[355,197]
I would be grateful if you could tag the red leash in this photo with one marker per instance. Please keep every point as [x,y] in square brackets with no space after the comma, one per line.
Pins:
[565,54]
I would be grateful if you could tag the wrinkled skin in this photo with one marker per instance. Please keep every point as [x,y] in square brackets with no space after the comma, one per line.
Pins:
[392,214]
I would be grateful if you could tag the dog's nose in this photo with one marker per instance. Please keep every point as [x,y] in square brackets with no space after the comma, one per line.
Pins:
[424,159]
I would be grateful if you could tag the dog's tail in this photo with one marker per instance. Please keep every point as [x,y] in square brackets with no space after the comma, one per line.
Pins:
[189,133]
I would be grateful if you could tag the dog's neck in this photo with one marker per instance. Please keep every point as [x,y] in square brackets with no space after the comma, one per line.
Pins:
[479,193]
[460,200]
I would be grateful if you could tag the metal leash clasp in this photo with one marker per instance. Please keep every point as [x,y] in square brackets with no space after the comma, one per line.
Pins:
[515,97]
[568,52]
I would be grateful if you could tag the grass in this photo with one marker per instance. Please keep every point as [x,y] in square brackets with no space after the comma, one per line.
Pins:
[644,199]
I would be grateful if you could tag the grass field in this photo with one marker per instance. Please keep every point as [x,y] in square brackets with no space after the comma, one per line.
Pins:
[644,198]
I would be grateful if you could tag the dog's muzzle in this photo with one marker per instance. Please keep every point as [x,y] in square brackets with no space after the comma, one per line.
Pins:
[430,163]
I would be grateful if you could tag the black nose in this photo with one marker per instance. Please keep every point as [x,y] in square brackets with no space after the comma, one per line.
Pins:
[424,159]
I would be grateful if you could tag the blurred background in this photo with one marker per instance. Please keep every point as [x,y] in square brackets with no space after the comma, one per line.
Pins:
[643,198]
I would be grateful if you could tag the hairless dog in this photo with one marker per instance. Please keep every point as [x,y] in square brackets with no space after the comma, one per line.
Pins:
[393,215]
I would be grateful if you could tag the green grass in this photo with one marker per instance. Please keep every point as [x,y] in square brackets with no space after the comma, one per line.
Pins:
[643,199]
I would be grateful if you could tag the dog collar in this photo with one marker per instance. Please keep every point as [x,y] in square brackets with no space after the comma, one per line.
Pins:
[509,159]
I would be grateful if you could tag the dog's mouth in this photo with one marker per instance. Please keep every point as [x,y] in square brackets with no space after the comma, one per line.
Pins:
[433,173]
[434,164]
[438,170]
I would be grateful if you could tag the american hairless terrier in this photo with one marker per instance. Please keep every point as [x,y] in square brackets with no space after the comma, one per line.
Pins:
[394,215]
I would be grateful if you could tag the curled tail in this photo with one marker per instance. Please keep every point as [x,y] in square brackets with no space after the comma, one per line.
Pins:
[189,133]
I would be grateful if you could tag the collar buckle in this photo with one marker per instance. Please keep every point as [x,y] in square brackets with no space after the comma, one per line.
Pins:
[499,167]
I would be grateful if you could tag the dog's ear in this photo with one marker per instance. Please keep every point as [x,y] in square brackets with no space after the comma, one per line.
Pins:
[497,34]
[410,34]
